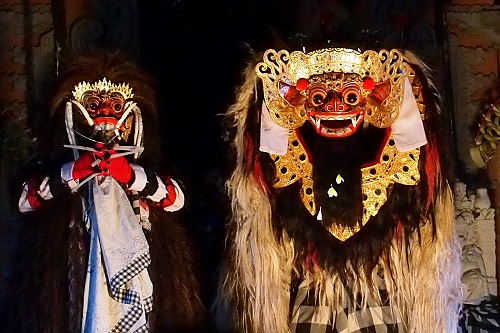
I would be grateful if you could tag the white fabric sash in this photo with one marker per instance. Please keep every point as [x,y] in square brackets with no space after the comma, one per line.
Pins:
[118,290]
[273,137]
[408,130]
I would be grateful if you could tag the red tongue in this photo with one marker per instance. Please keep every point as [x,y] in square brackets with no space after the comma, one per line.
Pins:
[335,124]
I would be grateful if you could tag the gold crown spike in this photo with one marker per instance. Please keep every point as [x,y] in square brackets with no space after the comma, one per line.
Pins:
[325,61]
[102,86]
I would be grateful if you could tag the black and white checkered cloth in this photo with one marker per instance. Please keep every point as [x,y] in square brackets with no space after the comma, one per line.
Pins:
[127,296]
[308,316]
[148,304]
[128,273]
[480,318]
[126,323]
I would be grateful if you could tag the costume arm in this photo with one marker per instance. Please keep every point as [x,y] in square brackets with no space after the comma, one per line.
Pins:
[166,192]
[37,189]
[34,193]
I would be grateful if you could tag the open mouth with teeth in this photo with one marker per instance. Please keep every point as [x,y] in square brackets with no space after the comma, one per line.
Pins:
[337,124]
[105,123]
[106,128]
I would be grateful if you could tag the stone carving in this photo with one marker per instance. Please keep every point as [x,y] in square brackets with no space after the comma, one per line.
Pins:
[108,24]
[474,225]
[488,137]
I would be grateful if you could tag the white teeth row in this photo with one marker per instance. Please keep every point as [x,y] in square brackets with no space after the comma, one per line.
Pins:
[336,131]
[106,127]
[354,122]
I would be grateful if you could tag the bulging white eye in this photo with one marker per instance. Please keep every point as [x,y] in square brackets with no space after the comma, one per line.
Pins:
[117,106]
[351,95]
[92,105]
[317,96]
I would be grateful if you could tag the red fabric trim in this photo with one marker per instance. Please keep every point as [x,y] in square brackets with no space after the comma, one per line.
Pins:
[399,232]
[33,197]
[171,194]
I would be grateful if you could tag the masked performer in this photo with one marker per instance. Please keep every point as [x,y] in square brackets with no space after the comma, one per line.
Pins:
[113,257]
[342,217]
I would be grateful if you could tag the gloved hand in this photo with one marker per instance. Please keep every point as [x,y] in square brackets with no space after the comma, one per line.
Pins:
[83,166]
[118,167]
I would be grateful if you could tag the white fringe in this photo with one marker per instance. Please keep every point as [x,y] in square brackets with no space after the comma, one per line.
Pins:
[427,282]
[260,269]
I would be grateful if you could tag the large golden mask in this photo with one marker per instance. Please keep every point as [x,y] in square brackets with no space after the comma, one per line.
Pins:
[337,90]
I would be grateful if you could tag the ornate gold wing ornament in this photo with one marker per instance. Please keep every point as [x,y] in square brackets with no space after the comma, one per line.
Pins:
[337,90]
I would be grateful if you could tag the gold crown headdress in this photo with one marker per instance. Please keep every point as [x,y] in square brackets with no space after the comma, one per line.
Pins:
[102,86]
[303,65]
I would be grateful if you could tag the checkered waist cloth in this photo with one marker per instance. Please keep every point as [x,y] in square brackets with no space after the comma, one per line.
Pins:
[310,316]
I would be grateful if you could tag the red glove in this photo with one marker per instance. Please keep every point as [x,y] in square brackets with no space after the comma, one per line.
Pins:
[118,167]
[33,197]
[83,166]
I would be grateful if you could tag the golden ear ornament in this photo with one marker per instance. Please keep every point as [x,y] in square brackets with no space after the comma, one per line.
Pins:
[127,128]
[273,70]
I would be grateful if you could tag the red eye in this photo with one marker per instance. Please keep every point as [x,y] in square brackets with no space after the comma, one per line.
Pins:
[351,95]
[317,96]
[93,105]
[117,106]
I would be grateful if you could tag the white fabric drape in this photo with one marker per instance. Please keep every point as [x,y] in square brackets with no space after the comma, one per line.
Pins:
[118,290]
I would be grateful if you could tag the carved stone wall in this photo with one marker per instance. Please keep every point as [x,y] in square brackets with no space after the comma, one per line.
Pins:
[475,224]
[26,55]
[474,43]
[96,25]
[26,70]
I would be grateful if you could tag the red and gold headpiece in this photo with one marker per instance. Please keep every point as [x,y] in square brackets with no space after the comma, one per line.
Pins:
[337,90]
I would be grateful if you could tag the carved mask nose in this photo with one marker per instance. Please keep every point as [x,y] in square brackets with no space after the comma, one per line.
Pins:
[335,104]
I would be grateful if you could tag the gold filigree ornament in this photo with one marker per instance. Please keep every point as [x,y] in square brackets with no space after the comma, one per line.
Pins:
[393,167]
[281,67]
[101,86]
[293,166]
